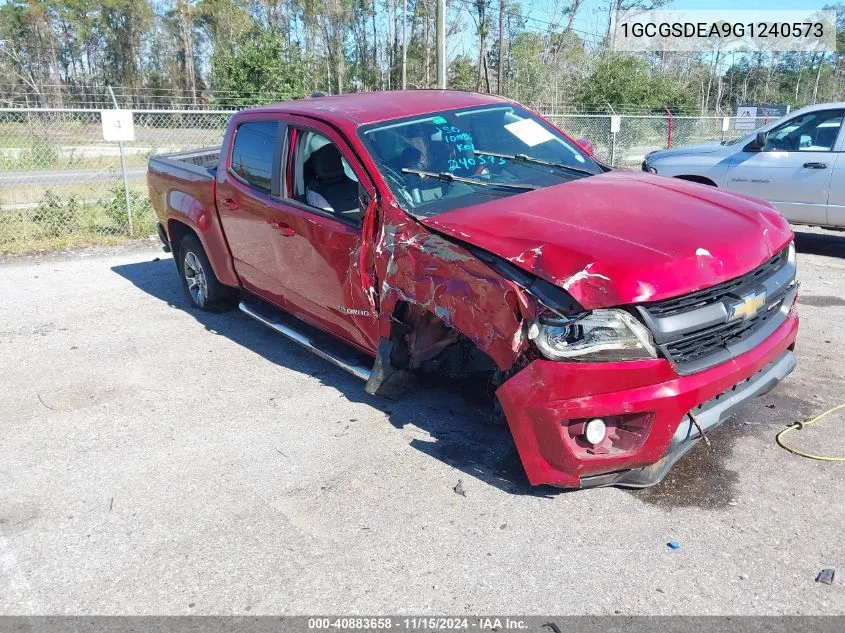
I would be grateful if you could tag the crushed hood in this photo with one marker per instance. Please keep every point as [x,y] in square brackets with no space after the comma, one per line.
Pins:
[624,237]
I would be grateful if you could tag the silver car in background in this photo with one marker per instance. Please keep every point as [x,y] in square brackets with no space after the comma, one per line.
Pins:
[797,163]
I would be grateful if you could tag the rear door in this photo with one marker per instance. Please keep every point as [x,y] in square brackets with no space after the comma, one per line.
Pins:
[247,182]
[793,171]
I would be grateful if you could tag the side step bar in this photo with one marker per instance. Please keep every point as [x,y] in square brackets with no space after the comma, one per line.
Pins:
[329,350]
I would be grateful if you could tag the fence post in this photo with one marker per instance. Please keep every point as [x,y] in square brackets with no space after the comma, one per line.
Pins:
[615,125]
[123,171]
[669,137]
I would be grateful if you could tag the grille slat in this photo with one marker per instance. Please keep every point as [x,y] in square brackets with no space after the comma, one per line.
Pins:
[691,349]
[701,298]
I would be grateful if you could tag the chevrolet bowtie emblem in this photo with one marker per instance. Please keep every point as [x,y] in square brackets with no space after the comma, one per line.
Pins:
[749,305]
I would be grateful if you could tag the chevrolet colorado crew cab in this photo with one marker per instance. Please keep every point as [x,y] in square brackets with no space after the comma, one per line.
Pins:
[614,316]
[797,163]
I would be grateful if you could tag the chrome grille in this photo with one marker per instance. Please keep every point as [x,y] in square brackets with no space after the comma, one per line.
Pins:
[717,293]
[697,331]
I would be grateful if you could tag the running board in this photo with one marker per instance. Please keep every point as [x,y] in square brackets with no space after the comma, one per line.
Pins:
[330,349]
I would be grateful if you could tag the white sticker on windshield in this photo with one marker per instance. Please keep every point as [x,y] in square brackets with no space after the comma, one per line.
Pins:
[529,132]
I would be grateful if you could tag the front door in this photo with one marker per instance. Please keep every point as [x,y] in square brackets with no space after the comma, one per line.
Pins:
[793,171]
[836,200]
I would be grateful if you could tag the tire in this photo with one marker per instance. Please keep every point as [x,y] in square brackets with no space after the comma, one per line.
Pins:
[201,286]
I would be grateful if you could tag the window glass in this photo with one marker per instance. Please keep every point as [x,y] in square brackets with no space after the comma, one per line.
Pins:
[252,153]
[469,156]
[811,132]
[323,178]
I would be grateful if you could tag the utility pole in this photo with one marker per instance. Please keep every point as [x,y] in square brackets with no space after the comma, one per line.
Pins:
[404,45]
[441,44]
[500,70]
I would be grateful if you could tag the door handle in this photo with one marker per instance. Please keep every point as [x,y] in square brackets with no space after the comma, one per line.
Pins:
[285,229]
[815,165]
[229,203]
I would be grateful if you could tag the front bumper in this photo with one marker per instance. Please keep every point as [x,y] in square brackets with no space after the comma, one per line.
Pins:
[540,400]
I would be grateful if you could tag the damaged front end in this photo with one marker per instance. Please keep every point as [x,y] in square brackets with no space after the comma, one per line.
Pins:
[443,310]
[590,396]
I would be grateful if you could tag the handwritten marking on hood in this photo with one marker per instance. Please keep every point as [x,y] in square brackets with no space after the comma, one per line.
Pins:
[702,252]
[581,276]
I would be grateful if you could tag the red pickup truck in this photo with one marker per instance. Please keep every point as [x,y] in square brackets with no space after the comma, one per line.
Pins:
[615,316]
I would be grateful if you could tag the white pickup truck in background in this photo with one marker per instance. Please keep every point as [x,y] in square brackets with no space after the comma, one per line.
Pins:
[797,163]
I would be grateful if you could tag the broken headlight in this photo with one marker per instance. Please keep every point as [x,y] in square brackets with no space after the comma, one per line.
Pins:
[600,335]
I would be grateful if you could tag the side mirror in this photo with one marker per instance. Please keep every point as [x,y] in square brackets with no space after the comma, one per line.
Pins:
[758,143]
[586,145]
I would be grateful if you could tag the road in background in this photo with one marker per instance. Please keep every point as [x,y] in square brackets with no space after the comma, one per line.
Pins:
[68,176]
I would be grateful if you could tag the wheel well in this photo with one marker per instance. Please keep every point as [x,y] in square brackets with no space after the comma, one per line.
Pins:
[178,230]
[424,348]
[702,180]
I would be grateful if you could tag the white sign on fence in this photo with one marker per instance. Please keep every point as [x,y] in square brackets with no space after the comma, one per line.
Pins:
[117,125]
[615,123]
[746,118]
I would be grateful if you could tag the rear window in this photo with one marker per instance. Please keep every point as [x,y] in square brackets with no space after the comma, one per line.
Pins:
[252,153]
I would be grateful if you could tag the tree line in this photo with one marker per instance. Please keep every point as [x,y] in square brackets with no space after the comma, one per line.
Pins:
[231,53]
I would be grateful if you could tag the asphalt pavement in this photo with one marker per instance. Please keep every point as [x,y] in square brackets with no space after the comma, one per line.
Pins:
[157,460]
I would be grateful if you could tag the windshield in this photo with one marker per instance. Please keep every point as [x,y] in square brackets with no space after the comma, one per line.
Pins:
[457,158]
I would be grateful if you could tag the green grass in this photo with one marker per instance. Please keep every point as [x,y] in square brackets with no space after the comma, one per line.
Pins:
[61,222]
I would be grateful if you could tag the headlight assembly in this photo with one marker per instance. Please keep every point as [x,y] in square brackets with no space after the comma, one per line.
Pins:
[600,335]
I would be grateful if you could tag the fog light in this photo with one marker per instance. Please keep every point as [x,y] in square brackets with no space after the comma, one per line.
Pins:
[595,431]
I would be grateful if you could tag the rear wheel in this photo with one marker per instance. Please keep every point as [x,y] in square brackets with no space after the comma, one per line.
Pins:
[201,286]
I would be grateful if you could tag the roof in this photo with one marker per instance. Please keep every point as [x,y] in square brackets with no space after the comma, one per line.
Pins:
[820,106]
[369,107]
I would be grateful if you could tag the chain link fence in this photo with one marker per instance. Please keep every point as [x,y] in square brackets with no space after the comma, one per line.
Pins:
[61,184]
[639,135]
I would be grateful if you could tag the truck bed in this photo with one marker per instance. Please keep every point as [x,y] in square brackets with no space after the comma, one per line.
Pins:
[202,162]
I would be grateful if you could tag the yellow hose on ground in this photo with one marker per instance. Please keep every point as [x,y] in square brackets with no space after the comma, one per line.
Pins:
[800,425]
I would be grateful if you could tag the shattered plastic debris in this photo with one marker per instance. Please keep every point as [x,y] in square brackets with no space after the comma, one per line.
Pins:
[826,576]
[459,488]
[673,545]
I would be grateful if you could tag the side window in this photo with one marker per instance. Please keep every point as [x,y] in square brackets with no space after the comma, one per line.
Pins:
[252,153]
[811,132]
[322,177]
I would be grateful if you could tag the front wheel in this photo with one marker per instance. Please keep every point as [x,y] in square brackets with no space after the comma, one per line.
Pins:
[201,286]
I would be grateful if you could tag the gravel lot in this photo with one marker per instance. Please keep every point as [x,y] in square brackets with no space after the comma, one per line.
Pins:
[154,460]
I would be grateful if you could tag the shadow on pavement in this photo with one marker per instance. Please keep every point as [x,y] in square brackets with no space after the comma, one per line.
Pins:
[829,244]
[462,439]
